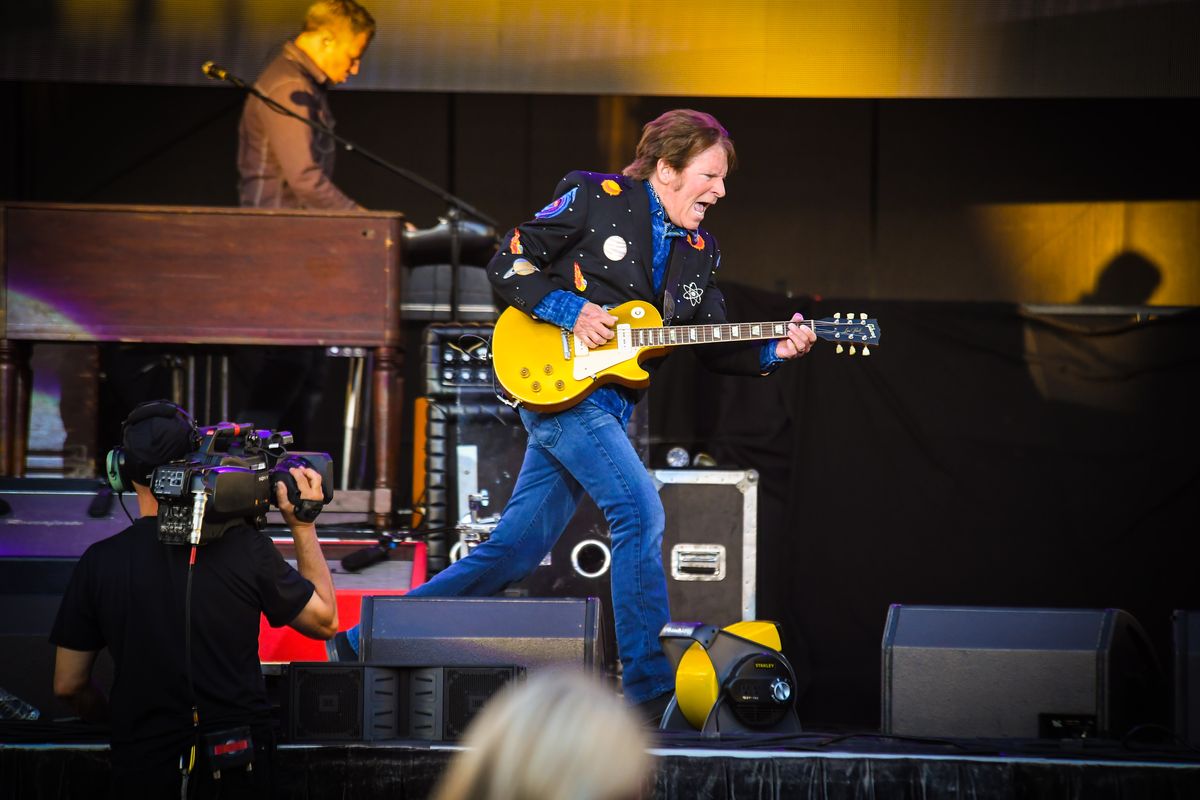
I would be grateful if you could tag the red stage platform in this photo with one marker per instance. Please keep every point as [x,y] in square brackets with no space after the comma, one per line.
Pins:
[404,569]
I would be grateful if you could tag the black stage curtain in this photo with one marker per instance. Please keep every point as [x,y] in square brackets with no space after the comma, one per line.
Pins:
[979,456]
[398,773]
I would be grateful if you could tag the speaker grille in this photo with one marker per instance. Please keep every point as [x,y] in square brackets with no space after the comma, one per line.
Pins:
[328,704]
[467,690]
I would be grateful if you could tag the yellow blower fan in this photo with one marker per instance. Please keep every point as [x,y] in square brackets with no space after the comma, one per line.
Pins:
[729,680]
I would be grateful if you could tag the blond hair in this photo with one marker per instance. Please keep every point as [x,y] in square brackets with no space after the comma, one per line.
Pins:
[558,736]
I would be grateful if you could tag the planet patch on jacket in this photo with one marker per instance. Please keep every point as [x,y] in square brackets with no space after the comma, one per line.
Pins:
[615,248]
[558,206]
[520,267]
[611,187]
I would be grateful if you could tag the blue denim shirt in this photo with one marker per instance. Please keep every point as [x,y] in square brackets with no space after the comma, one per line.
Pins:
[562,308]
[664,231]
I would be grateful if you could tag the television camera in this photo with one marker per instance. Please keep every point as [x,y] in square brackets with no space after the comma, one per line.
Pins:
[231,479]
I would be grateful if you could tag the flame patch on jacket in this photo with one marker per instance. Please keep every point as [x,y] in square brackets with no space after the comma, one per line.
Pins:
[580,281]
[514,245]
[696,240]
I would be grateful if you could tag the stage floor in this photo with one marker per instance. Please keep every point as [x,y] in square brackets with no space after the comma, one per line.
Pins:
[826,766]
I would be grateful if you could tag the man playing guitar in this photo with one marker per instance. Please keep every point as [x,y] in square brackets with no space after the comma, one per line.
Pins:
[603,241]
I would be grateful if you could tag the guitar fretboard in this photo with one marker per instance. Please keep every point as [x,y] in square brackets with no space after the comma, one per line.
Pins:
[708,334]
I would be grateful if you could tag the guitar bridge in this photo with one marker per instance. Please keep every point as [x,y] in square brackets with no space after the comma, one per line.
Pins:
[566,344]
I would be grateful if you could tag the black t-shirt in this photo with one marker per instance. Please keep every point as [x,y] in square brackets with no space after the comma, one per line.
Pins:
[127,594]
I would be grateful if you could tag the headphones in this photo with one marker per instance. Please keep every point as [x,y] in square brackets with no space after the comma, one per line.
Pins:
[122,468]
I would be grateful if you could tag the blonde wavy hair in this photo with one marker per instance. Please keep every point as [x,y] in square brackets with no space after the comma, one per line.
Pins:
[557,736]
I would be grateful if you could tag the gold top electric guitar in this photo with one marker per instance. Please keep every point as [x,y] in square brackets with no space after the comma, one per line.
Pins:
[546,368]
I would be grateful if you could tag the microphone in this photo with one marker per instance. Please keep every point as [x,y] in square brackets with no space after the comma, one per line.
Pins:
[219,73]
[364,557]
[101,504]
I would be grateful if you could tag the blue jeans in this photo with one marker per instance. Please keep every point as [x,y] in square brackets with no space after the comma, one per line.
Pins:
[582,449]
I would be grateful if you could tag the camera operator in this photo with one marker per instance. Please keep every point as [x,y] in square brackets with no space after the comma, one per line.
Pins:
[131,594]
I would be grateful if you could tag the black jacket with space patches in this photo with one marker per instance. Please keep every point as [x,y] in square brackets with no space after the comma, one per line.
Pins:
[594,239]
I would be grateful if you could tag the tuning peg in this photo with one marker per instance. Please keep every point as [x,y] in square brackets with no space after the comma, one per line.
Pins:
[852,350]
[838,316]
[863,316]
[866,350]
[840,349]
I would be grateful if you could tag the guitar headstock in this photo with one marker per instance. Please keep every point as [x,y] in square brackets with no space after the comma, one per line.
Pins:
[851,332]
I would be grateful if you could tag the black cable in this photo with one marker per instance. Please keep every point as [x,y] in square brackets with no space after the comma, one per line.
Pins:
[121,500]
[1129,740]
[187,660]
[469,351]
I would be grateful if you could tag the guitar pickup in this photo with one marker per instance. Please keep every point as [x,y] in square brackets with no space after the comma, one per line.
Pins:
[698,562]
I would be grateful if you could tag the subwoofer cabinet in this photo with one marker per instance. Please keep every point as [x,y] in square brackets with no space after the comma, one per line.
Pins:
[356,702]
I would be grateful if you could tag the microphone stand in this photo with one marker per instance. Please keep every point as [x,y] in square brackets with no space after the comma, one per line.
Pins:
[456,205]
[456,208]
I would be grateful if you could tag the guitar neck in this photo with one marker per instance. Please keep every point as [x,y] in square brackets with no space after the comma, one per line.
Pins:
[679,335]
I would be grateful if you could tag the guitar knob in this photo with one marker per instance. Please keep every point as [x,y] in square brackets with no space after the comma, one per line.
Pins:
[524,372]
[537,387]
[560,385]
[548,369]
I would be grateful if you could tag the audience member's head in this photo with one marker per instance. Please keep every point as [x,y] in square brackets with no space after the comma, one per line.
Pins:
[557,736]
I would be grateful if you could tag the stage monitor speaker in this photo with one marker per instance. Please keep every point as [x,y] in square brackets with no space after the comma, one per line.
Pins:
[1016,673]
[56,518]
[1187,676]
[340,702]
[481,632]
[442,701]
[30,593]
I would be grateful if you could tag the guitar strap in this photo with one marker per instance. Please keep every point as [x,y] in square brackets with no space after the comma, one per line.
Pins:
[671,282]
